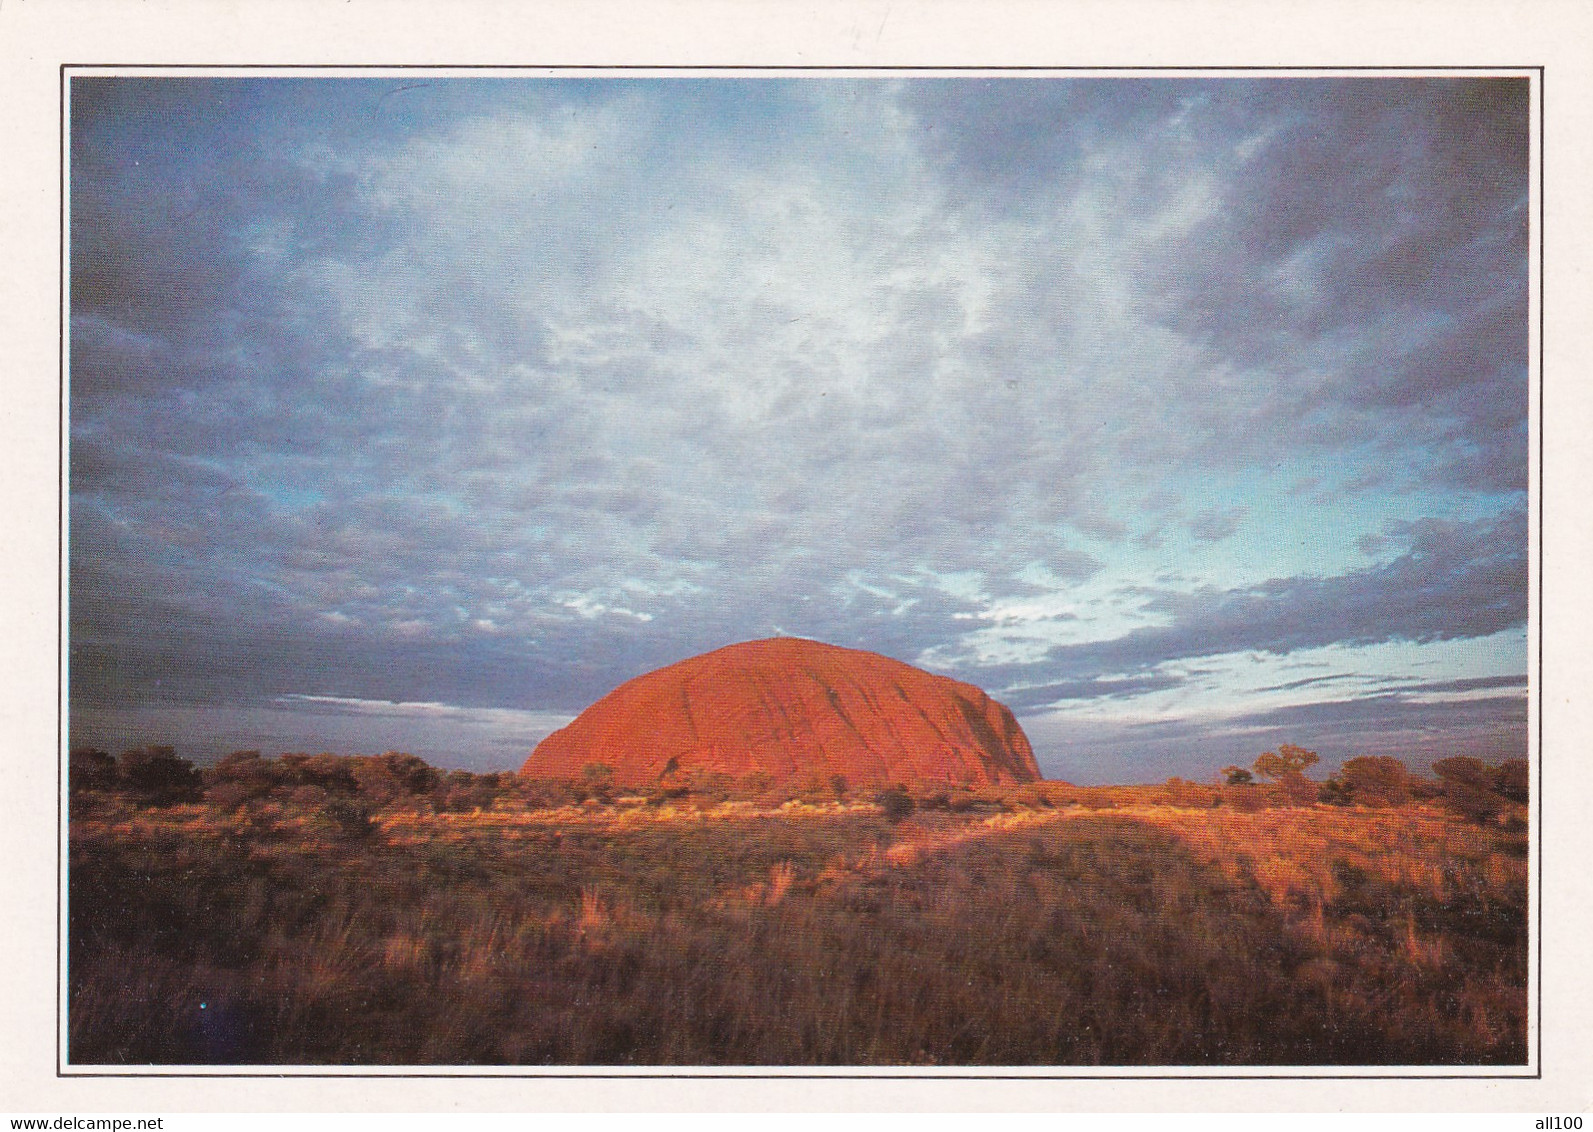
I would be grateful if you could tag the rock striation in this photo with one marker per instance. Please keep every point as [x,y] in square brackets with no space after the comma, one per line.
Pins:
[792,707]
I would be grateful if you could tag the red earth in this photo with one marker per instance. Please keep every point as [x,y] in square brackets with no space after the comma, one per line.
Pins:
[791,707]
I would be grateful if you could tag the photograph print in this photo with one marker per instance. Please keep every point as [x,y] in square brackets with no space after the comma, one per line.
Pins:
[958,572]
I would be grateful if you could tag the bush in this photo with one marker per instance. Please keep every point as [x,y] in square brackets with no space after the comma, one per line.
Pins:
[1464,769]
[329,772]
[1181,792]
[1475,802]
[1286,768]
[240,778]
[1511,778]
[88,769]
[158,776]
[1334,793]
[711,785]
[1376,780]
[540,793]
[1035,798]
[461,792]
[307,797]
[756,784]
[1246,799]
[896,802]
[228,796]
[1297,790]
[1481,792]
[349,818]
[1060,793]
[410,771]
[388,778]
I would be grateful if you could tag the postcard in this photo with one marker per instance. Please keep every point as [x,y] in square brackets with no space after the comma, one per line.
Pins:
[718,572]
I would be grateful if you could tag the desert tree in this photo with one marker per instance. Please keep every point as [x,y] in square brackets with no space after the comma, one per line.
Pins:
[1286,767]
[90,769]
[241,777]
[390,776]
[1478,791]
[158,776]
[1288,761]
[1374,780]
[1464,769]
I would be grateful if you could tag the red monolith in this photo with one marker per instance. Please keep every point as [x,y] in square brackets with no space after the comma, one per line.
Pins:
[791,707]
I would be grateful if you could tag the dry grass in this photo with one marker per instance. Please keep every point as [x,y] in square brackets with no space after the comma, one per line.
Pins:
[1042,926]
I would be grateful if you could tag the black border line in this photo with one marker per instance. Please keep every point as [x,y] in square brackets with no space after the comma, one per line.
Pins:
[361,1073]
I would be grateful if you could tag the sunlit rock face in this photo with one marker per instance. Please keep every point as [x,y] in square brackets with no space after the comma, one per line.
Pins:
[791,707]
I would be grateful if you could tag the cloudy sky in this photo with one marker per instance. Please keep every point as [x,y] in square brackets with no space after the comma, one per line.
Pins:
[1185,416]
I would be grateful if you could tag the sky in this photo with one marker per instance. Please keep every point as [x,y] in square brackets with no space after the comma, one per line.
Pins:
[1185,416]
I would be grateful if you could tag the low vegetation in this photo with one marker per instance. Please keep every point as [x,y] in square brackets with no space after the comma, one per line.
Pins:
[311,909]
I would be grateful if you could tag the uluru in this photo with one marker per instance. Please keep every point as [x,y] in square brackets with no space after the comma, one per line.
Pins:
[789,707]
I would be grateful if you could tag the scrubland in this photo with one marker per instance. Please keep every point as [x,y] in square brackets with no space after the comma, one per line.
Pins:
[368,912]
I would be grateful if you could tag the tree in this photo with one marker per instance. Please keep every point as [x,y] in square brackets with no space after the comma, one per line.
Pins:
[411,772]
[1479,791]
[1287,762]
[1238,776]
[333,774]
[241,777]
[1465,770]
[88,769]
[159,776]
[1377,780]
[1286,768]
